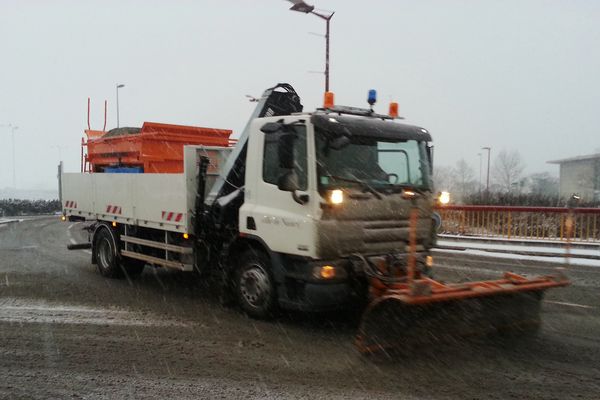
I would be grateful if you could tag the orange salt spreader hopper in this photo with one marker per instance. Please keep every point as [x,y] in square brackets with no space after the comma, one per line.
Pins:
[154,148]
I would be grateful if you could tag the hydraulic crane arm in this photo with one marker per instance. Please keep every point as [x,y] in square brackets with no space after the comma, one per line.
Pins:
[281,99]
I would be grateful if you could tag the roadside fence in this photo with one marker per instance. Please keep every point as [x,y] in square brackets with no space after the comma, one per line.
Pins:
[545,223]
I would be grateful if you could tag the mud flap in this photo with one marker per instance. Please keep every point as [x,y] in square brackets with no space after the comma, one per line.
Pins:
[390,324]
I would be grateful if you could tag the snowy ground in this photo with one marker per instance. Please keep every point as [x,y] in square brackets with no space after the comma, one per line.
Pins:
[4,221]
[66,332]
[543,251]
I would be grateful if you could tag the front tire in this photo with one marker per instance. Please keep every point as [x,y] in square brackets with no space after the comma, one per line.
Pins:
[254,285]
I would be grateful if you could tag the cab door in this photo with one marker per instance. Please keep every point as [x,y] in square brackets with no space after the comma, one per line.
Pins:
[284,220]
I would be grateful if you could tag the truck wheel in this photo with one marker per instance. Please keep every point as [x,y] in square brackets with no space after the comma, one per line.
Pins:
[254,285]
[106,255]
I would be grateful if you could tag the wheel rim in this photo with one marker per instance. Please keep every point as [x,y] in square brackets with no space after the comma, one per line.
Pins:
[255,286]
[104,253]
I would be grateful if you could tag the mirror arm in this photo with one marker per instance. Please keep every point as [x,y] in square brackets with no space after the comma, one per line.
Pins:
[300,199]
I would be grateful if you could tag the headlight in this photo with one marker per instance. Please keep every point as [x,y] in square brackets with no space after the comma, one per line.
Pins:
[444,198]
[336,196]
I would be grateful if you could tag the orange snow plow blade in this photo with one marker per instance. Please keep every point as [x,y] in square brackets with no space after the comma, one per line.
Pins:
[422,311]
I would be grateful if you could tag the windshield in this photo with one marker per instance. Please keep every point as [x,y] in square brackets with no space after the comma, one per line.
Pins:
[379,163]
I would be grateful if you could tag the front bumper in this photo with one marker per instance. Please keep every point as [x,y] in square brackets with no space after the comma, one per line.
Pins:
[300,289]
[318,297]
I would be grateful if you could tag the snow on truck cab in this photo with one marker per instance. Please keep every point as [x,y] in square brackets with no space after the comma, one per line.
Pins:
[285,217]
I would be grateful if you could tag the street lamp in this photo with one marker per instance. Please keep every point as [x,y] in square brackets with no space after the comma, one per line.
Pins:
[487,184]
[301,6]
[119,86]
[14,170]
[480,162]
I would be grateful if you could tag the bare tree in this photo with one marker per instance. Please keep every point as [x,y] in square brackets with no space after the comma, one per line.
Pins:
[443,178]
[464,177]
[507,169]
[544,184]
[458,180]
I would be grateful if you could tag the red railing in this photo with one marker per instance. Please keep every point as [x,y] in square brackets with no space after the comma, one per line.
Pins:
[556,223]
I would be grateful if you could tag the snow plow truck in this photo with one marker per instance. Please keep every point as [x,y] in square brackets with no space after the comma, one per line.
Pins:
[305,211]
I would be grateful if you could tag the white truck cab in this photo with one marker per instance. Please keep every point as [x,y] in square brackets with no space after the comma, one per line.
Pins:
[326,189]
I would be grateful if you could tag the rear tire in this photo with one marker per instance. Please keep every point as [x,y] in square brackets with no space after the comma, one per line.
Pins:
[254,285]
[105,253]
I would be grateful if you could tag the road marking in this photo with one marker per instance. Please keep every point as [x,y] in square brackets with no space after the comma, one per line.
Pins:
[568,304]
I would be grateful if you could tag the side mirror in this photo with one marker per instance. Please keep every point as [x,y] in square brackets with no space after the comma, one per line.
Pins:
[285,150]
[288,182]
[271,127]
[430,158]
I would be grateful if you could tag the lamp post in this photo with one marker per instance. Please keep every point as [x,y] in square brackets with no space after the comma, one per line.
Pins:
[119,86]
[480,163]
[487,183]
[13,128]
[301,6]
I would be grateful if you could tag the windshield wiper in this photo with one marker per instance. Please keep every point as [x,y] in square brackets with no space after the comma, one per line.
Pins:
[364,184]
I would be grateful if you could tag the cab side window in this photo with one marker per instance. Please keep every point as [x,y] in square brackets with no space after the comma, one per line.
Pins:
[272,171]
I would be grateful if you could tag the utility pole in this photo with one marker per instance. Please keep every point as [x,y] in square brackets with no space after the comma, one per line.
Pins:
[301,6]
[487,184]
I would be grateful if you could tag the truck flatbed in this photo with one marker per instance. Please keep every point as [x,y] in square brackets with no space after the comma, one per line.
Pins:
[160,201]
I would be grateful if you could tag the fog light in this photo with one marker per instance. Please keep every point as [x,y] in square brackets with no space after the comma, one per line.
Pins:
[63,218]
[186,236]
[114,224]
[324,272]
[429,261]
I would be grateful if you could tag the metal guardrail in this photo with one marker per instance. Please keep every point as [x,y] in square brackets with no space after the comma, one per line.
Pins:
[555,223]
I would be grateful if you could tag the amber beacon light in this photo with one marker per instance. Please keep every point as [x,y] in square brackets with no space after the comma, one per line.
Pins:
[328,100]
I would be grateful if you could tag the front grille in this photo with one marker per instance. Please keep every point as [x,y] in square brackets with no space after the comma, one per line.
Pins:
[384,235]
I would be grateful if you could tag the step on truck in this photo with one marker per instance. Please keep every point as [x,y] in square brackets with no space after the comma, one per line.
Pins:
[306,211]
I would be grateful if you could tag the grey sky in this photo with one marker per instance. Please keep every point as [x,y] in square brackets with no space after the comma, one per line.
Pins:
[511,74]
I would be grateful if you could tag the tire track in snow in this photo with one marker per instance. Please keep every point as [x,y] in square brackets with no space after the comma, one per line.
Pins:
[15,310]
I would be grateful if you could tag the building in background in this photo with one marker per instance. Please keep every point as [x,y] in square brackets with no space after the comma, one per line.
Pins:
[580,175]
